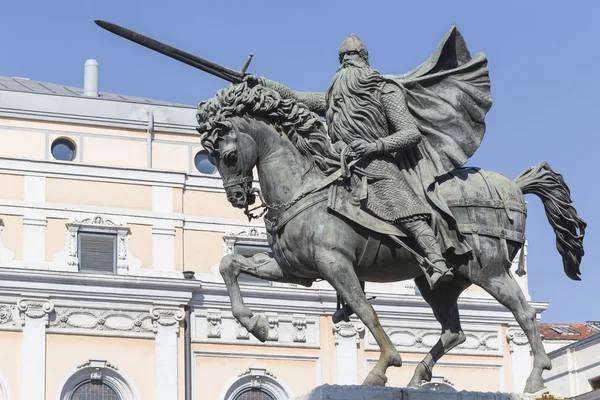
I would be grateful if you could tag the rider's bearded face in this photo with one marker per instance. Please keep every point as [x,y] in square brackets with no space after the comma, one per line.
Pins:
[354,110]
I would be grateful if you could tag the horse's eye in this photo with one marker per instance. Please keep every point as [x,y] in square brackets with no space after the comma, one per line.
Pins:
[230,157]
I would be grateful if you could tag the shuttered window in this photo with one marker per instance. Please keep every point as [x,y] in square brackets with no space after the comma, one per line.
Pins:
[97,253]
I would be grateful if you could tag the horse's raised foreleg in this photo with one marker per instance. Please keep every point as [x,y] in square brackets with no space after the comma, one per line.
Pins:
[445,309]
[506,290]
[261,266]
[339,272]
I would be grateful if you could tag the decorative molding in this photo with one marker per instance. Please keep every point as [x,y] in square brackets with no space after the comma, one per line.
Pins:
[97,367]
[34,308]
[6,314]
[422,340]
[347,330]
[97,371]
[166,316]
[273,334]
[103,321]
[241,333]
[299,323]
[255,379]
[516,337]
[213,319]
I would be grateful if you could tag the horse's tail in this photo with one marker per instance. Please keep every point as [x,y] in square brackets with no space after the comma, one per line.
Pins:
[569,228]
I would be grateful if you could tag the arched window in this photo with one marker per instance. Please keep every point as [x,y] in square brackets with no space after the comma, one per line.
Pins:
[94,391]
[254,394]
[96,380]
[255,384]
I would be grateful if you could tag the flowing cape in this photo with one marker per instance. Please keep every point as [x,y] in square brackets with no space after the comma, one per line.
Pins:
[449,96]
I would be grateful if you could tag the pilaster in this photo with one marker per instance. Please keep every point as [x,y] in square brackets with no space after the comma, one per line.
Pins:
[347,338]
[166,328]
[34,320]
[520,352]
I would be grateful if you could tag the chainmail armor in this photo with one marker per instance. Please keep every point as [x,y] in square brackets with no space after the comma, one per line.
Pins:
[406,134]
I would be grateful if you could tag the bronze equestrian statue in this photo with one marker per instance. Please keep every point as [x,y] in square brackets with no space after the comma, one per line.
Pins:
[378,191]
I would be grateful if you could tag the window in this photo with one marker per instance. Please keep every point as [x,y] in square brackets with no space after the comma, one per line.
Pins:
[97,253]
[254,394]
[63,149]
[94,391]
[567,330]
[205,163]
[96,380]
[595,383]
[98,245]
[255,384]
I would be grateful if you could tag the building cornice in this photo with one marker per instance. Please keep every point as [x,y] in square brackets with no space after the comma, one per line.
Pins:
[96,111]
[69,287]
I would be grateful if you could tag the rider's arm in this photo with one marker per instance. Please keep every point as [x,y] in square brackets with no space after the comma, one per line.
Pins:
[315,101]
[405,133]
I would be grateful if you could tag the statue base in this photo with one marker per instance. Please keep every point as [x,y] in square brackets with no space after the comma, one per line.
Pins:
[357,392]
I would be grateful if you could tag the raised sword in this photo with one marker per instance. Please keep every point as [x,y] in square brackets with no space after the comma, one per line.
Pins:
[179,55]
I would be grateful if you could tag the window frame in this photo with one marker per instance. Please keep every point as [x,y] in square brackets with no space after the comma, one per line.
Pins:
[69,143]
[101,226]
[115,251]
[97,370]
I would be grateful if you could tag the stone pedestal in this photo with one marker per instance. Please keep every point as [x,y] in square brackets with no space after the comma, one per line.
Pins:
[355,392]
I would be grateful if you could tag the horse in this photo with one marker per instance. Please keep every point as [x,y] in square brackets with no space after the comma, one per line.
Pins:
[245,127]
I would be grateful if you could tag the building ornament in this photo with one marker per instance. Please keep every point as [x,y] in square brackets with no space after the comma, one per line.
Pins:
[6,314]
[241,333]
[34,308]
[415,339]
[213,324]
[273,334]
[347,330]
[166,316]
[102,320]
[299,324]
[516,337]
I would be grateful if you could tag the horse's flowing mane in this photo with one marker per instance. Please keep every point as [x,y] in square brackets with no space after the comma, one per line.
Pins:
[304,128]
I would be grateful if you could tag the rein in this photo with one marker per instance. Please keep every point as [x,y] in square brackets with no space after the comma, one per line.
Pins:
[285,206]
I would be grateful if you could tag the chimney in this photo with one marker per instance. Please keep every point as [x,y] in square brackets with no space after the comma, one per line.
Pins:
[90,78]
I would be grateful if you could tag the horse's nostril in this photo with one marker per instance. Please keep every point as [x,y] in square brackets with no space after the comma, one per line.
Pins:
[238,195]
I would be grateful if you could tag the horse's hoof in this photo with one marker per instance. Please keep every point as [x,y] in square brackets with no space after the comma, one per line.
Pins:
[421,374]
[395,361]
[375,378]
[534,385]
[259,327]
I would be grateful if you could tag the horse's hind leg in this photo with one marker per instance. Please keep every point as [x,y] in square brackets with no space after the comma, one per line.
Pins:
[340,274]
[445,309]
[503,287]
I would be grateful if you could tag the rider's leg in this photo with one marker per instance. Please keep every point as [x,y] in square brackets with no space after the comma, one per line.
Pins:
[427,241]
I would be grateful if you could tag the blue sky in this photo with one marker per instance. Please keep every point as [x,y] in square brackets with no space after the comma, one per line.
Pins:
[543,61]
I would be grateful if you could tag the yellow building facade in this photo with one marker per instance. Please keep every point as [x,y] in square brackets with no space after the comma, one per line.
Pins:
[105,201]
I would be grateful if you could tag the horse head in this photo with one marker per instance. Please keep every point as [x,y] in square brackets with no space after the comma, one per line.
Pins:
[242,125]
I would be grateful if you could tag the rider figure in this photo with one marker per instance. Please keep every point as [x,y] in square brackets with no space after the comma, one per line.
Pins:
[369,114]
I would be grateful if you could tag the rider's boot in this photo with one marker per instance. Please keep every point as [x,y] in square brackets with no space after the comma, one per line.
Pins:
[425,237]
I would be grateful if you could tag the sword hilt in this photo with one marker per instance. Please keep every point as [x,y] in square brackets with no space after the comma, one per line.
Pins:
[246,64]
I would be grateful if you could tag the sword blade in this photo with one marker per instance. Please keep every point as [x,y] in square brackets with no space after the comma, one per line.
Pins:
[173,52]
